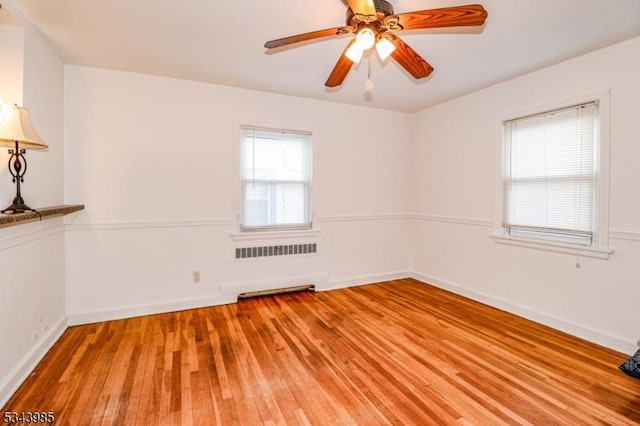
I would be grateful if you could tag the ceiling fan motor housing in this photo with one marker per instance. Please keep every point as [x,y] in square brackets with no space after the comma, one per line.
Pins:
[383,9]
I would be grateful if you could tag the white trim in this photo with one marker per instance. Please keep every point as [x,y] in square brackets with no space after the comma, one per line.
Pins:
[25,238]
[457,220]
[585,251]
[593,335]
[364,280]
[275,235]
[600,95]
[115,226]
[82,318]
[624,235]
[229,294]
[305,136]
[276,130]
[365,218]
[30,360]
[236,158]
[604,167]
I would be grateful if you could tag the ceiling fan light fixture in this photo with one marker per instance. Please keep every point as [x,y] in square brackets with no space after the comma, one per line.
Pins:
[354,52]
[374,23]
[385,47]
[365,38]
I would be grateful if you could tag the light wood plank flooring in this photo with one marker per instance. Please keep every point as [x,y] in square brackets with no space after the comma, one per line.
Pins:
[399,352]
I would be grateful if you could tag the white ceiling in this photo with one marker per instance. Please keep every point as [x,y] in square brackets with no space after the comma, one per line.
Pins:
[222,42]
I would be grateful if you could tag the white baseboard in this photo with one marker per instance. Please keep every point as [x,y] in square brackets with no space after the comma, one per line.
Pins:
[364,280]
[148,309]
[592,335]
[10,384]
[229,294]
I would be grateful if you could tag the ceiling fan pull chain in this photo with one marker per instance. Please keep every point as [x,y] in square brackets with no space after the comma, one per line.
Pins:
[368,85]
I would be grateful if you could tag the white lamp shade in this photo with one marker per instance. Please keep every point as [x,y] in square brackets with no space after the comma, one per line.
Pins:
[365,38]
[15,125]
[354,52]
[384,47]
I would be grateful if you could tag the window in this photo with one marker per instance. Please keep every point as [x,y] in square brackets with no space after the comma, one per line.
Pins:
[550,175]
[276,178]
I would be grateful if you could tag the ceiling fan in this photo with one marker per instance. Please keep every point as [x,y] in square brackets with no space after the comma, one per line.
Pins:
[373,22]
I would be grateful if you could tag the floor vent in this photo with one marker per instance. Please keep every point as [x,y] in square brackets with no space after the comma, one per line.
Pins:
[282,250]
[275,291]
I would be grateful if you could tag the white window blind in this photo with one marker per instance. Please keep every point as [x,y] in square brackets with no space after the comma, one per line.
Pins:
[549,178]
[276,178]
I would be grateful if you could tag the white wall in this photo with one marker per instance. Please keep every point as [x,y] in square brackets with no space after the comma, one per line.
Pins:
[11,48]
[155,161]
[455,170]
[43,95]
[32,281]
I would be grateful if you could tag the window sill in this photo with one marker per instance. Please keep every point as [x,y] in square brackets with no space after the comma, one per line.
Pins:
[585,251]
[274,234]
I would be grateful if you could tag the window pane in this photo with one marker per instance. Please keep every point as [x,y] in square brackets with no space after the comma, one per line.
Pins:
[282,159]
[290,202]
[272,204]
[560,204]
[276,174]
[256,204]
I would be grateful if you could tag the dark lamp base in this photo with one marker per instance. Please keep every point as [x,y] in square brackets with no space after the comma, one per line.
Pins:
[17,208]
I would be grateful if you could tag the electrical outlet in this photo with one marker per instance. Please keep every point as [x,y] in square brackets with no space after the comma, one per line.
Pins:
[196,276]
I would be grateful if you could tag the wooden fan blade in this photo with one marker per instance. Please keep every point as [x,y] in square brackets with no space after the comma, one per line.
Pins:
[308,36]
[409,59]
[457,16]
[340,71]
[362,7]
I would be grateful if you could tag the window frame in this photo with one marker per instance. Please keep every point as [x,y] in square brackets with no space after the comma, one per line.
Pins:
[599,248]
[283,228]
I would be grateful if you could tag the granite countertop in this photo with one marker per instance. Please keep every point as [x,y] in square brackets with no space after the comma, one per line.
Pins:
[45,212]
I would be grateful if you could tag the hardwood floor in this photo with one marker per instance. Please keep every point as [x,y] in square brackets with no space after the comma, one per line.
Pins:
[399,352]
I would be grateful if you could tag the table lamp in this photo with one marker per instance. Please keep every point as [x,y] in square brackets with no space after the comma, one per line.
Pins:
[17,133]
